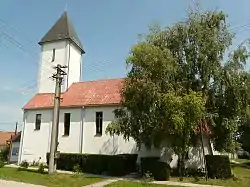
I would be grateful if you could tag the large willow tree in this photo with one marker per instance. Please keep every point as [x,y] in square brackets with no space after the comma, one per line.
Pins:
[181,78]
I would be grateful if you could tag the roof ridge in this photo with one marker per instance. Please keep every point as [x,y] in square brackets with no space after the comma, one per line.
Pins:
[99,80]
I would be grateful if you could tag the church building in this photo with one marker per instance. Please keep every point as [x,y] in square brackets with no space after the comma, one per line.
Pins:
[86,107]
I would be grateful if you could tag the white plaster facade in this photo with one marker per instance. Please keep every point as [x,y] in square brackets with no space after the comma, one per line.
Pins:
[65,54]
[82,138]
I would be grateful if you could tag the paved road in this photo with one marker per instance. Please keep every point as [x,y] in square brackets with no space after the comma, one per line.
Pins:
[4,183]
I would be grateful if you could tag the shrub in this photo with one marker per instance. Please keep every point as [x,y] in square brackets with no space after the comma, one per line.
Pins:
[218,166]
[115,165]
[41,168]
[77,169]
[34,163]
[161,171]
[24,164]
[4,153]
[147,164]
[2,164]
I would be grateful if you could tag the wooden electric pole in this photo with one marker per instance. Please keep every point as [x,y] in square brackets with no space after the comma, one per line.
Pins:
[58,76]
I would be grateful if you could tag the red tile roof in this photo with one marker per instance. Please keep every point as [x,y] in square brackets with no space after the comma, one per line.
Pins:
[102,92]
[15,137]
[4,136]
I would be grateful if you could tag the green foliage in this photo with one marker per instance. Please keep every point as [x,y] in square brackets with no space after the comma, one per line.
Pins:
[180,83]
[24,164]
[147,165]
[161,171]
[4,153]
[77,169]
[34,163]
[2,164]
[153,167]
[116,165]
[218,166]
[41,168]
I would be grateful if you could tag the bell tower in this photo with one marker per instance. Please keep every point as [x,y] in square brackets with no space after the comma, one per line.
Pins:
[60,45]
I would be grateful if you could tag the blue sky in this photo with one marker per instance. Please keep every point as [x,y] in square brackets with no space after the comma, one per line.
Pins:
[107,30]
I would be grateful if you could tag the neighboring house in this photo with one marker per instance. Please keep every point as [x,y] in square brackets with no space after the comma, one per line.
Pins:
[4,137]
[86,107]
[14,143]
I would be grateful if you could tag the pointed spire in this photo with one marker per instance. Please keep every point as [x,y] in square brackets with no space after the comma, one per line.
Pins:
[62,30]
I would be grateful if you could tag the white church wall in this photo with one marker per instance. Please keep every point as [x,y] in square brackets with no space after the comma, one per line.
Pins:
[82,138]
[72,142]
[35,144]
[74,64]
[65,54]
[104,144]
[166,154]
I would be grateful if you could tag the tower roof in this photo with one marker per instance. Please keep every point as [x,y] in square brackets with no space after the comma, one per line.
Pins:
[62,30]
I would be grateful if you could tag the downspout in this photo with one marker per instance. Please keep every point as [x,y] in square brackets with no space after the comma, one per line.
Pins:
[82,129]
[22,136]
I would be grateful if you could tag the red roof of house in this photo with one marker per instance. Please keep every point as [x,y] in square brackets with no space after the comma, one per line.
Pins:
[15,137]
[102,92]
[4,137]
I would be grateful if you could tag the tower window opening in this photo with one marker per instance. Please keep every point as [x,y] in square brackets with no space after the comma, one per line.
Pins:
[53,55]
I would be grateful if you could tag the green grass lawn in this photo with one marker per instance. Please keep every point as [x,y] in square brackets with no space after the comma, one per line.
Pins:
[241,172]
[134,184]
[55,180]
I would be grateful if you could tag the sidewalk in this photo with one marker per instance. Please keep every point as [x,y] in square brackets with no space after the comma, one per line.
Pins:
[4,183]
[183,184]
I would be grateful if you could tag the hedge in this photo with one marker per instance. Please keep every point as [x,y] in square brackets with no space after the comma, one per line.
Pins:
[147,164]
[161,171]
[156,168]
[115,165]
[218,166]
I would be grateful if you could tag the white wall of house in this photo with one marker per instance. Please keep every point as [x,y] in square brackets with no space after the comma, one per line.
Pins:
[14,151]
[65,54]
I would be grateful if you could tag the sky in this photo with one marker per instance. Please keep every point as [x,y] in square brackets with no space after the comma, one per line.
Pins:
[107,29]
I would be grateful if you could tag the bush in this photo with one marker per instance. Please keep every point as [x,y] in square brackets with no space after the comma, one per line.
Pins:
[41,168]
[161,171]
[218,166]
[77,169]
[115,165]
[24,164]
[244,155]
[4,153]
[147,164]
[2,164]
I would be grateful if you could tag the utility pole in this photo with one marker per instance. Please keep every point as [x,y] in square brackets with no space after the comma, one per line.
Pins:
[203,150]
[16,128]
[58,76]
